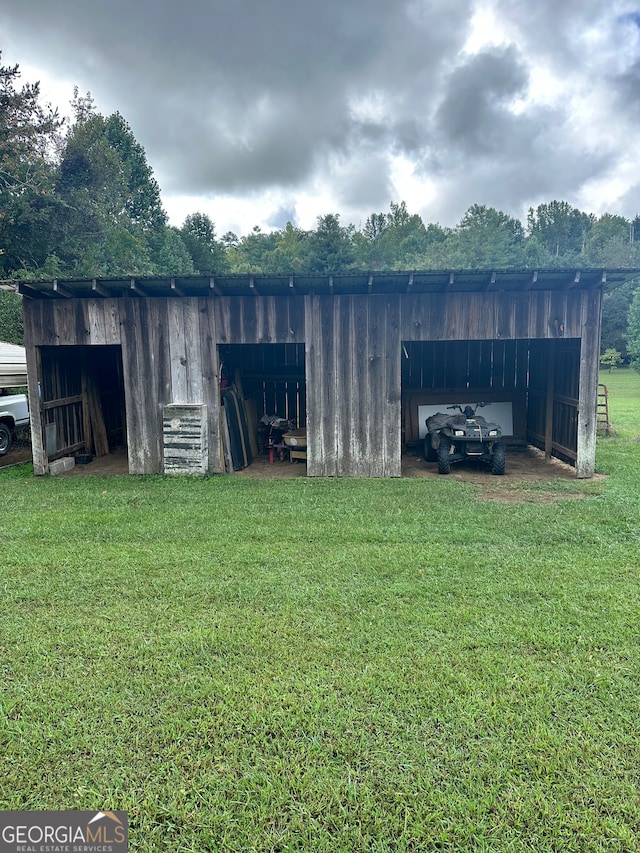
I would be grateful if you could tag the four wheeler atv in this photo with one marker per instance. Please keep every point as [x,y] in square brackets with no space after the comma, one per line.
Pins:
[454,438]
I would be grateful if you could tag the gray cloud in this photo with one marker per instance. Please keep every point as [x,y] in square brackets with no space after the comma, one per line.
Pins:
[234,99]
[474,114]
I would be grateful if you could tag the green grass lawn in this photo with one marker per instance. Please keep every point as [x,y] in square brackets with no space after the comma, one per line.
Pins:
[328,665]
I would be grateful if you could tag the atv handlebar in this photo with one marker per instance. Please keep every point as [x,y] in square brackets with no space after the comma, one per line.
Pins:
[463,410]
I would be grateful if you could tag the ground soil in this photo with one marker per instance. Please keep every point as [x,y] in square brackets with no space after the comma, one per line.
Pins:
[525,466]
[20,452]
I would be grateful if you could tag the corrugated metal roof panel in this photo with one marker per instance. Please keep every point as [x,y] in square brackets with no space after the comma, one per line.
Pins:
[376,282]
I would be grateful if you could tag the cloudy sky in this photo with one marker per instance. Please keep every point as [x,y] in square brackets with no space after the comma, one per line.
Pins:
[263,111]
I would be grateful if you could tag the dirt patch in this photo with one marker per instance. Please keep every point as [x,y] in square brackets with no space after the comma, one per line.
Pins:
[526,467]
[526,471]
[20,452]
[111,465]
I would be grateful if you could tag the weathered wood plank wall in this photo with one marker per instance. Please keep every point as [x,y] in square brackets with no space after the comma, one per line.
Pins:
[489,316]
[210,382]
[147,380]
[353,386]
[353,352]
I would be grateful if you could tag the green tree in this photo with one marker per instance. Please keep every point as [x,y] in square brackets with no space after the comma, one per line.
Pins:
[330,246]
[248,254]
[11,326]
[172,256]
[611,243]
[489,238]
[559,232]
[611,358]
[633,331]
[395,240]
[615,313]
[288,255]
[108,218]
[28,135]
[375,226]
[199,236]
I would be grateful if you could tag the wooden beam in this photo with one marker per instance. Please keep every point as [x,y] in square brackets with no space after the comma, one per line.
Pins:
[492,281]
[533,282]
[61,290]
[252,287]
[410,283]
[292,287]
[573,281]
[134,287]
[452,280]
[62,401]
[370,283]
[213,287]
[28,292]
[99,289]
[331,285]
[175,288]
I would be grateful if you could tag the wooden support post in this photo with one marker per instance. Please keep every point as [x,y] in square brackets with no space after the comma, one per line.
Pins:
[93,420]
[86,416]
[588,394]
[551,374]
[36,414]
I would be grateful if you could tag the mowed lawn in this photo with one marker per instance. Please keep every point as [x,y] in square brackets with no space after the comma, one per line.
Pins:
[329,665]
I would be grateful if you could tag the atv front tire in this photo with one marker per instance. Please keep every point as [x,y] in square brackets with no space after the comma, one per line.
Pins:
[444,462]
[499,459]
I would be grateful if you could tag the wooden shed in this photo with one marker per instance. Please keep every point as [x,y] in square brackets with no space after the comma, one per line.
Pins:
[353,357]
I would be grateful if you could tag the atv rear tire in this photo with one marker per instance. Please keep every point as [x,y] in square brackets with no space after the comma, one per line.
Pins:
[499,459]
[444,462]
[429,451]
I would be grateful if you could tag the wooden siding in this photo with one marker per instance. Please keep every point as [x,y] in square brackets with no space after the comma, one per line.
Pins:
[147,380]
[489,316]
[260,319]
[353,386]
[210,382]
[353,357]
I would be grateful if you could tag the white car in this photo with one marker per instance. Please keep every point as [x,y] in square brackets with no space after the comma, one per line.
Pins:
[14,414]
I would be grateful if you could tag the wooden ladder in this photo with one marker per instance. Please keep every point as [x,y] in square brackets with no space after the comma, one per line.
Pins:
[602,409]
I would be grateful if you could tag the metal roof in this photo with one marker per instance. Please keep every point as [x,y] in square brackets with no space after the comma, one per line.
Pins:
[374,283]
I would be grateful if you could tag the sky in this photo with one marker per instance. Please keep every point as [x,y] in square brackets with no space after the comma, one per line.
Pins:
[259,112]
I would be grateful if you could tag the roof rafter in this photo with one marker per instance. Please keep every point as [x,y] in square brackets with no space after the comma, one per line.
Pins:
[99,289]
[61,290]
[134,287]
[175,288]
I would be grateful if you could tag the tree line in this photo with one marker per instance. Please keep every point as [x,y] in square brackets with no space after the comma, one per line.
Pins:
[79,199]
